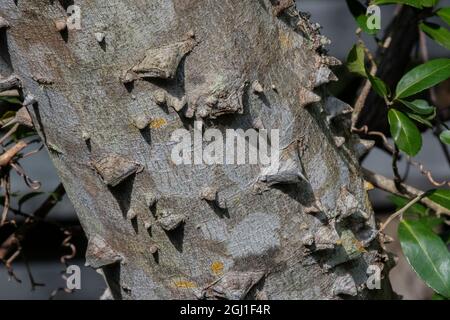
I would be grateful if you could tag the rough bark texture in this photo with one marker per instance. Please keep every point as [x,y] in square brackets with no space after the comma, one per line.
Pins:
[109,97]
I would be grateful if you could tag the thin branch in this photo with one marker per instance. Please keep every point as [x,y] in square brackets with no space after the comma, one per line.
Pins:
[388,185]
[400,212]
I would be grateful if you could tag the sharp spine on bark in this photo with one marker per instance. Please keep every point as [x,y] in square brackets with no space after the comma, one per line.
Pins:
[100,37]
[147,225]
[159,96]
[11,82]
[3,23]
[346,204]
[257,87]
[307,97]
[323,76]
[150,199]
[211,194]
[99,253]
[307,239]
[314,208]
[227,99]
[345,285]
[335,107]
[163,62]
[60,25]
[85,135]
[114,169]
[29,100]
[339,141]
[153,248]
[175,103]
[326,237]
[170,221]
[128,77]
[258,124]
[131,214]
[286,171]
[142,121]
[234,285]
[107,295]
[331,61]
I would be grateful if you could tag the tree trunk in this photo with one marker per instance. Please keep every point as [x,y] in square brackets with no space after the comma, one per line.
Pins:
[110,95]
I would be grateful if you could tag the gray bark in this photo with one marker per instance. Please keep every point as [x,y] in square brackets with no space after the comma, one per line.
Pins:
[110,95]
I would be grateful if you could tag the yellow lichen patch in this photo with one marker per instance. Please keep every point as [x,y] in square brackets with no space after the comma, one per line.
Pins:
[359,246]
[285,40]
[368,186]
[184,284]
[158,123]
[217,267]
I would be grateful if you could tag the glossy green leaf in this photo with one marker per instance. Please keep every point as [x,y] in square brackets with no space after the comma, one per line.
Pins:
[427,254]
[359,13]
[405,133]
[437,296]
[423,77]
[413,3]
[418,106]
[444,14]
[378,85]
[431,222]
[441,197]
[420,119]
[436,32]
[445,136]
[355,60]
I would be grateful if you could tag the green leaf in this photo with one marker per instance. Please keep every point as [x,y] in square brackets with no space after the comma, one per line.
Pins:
[413,3]
[359,13]
[436,32]
[431,222]
[441,197]
[418,106]
[437,296]
[8,115]
[405,133]
[355,60]
[427,254]
[420,119]
[378,85]
[444,14]
[445,136]
[10,100]
[423,77]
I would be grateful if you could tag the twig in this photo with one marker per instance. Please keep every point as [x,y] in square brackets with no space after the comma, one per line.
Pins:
[400,212]
[13,241]
[6,156]
[386,184]
[9,133]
